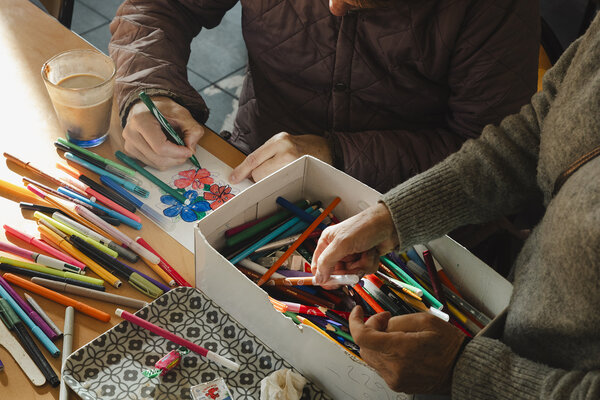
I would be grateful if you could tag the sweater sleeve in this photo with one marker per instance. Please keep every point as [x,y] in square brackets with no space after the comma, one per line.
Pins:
[492,73]
[489,370]
[151,46]
[488,177]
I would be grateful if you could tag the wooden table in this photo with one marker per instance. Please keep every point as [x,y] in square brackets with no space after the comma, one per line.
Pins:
[28,37]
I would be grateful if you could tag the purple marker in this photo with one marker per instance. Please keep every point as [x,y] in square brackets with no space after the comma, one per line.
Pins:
[29,311]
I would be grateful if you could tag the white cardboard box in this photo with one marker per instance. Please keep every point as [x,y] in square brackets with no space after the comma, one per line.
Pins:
[341,374]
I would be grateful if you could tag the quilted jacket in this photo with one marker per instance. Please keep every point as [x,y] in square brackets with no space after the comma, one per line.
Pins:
[395,89]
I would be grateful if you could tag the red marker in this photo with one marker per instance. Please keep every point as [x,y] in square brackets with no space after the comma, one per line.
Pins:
[43,246]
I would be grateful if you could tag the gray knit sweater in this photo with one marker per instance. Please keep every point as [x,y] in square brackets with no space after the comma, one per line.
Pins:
[550,347]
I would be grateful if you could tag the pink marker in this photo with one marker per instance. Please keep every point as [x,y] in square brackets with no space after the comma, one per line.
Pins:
[45,247]
[177,339]
[40,258]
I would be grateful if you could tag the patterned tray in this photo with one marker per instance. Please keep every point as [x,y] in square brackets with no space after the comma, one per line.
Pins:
[110,366]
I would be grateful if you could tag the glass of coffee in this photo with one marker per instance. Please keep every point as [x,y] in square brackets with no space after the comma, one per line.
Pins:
[81,86]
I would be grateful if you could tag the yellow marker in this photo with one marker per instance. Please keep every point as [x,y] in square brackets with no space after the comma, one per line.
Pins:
[10,190]
[70,231]
[49,236]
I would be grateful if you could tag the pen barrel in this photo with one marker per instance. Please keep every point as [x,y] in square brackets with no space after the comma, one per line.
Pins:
[93,294]
[36,355]
[58,298]
[123,252]
[164,264]
[57,264]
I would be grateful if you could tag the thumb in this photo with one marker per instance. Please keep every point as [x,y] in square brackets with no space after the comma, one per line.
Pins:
[379,321]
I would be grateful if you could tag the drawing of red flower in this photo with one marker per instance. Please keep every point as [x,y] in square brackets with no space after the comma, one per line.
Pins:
[218,195]
[195,178]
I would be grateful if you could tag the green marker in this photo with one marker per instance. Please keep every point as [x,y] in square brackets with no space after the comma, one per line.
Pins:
[118,166]
[51,271]
[411,281]
[165,125]
[133,164]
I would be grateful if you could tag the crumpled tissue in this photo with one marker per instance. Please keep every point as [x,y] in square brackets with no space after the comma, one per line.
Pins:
[283,384]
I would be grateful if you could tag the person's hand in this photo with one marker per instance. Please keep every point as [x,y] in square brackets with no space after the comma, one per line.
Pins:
[339,8]
[354,246]
[413,353]
[279,151]
[145,140]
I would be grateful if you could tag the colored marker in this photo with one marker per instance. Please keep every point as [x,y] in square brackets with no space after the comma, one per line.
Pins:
[51,271]
[266,239]
[126,220]
[35,207]
[117,234]
[10,190]
[303,215]
[32,273]
[57,297]
[96,156]
[67,348]
[122,251]
[164,264]
[134,278]
[40,258]
[51,347]
[29,311]
[12,321]
[299,241]
[87,190]
[72,232]
[58,238]
[178,340]
[167,128]
[76,174]
[43,246]
[42,313]
[128,185]
[310,281]
[144,172]
[166,223]
[93,294]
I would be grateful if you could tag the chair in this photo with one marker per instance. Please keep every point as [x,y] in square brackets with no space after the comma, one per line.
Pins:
[62,10]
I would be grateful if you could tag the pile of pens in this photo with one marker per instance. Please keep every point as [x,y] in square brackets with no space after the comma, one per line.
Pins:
[275,251]
[78,231]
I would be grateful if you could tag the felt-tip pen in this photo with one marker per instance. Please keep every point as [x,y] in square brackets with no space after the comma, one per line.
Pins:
[13,322]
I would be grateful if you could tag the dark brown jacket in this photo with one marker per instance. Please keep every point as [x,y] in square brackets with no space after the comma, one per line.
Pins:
[395,89]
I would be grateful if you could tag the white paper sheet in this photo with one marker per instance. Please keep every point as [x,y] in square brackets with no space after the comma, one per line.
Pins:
[187,177]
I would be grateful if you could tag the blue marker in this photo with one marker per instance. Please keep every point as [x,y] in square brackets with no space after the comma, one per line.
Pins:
[144,208]
[124,219]
[271,236]
[33,327]
[303,215]
[126,184]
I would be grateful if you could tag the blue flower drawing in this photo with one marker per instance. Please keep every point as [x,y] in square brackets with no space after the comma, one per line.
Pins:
[192,210]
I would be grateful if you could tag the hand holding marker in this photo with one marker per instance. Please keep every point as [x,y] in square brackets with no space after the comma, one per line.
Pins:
[167,128]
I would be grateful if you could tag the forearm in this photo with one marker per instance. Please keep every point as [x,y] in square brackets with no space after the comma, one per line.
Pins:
[151,45]
[488,369]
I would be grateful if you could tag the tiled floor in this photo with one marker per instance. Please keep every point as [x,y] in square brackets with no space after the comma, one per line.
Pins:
[217,62]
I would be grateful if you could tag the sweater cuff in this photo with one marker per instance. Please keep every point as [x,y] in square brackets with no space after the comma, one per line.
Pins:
[428,205]
[134,97]
[489,369]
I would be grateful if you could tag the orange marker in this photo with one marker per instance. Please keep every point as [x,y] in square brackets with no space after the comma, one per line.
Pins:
[298,241]
[57,297]
[11,191]
[367,297]
[160,272]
